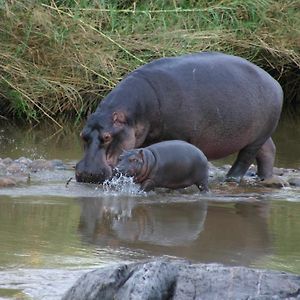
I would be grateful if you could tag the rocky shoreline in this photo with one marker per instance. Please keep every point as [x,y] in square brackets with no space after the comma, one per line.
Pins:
[18,171]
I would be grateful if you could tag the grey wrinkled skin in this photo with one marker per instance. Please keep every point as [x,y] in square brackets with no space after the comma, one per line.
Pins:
[182,280]
[170,164]
[220,103]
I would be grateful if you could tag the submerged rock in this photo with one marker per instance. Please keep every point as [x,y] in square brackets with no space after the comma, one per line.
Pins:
[274,182]
[294,181]
[179,279]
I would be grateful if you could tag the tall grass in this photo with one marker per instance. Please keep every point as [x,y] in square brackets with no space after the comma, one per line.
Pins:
[59,58]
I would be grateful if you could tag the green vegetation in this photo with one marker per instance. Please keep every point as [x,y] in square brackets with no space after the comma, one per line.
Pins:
[58,58]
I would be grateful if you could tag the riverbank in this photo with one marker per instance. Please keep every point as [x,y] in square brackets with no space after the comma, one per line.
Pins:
[19,171]
[58,59]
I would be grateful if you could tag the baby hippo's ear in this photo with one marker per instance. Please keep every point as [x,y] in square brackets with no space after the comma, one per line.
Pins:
[141,154]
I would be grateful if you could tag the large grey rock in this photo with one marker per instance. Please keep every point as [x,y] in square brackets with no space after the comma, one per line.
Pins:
[181,280]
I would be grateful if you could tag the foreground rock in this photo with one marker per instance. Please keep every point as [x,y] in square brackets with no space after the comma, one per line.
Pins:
[178,279]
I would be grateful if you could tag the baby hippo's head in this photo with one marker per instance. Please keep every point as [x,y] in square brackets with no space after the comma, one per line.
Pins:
[130,162]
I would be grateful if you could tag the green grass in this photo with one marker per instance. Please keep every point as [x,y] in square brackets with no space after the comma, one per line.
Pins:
[58,59]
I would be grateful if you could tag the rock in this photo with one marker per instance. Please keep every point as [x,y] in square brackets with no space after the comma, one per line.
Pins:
[279,171]
[21,168]
[7,182]
[2,167]
[179,279]
[7,160]
[58,164]
[24,161]
[41,164]
[225,167]
[294,181]
[274,182]
[15,168]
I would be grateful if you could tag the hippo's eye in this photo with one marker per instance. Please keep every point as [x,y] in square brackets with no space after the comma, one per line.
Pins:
[133,160]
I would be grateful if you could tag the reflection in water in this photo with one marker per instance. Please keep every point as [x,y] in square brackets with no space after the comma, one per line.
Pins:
[234,234]
[103,221]
[42,232]
[239,234]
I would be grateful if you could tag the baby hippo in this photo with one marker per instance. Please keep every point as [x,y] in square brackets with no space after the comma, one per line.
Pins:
[170,164]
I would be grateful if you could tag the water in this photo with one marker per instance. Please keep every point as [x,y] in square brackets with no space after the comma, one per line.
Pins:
[50,232]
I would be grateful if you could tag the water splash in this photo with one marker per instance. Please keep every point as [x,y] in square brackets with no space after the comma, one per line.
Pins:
[122,185]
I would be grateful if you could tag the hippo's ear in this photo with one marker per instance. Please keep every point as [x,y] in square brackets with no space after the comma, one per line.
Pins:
[119,118]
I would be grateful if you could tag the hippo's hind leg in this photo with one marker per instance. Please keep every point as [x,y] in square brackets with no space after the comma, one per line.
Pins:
[265,158]
[264,154]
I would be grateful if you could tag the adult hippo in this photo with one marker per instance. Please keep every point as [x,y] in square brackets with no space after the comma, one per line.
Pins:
[220,103]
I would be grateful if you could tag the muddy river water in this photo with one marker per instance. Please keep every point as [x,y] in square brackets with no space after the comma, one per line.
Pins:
[51,233]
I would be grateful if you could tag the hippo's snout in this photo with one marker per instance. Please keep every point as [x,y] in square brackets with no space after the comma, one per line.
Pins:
[118,171]
[92,175]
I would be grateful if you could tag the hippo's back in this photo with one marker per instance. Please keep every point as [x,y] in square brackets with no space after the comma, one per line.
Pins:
[218,102]
[177,151]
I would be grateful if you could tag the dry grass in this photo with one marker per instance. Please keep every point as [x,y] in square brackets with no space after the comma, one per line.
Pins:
[58,61]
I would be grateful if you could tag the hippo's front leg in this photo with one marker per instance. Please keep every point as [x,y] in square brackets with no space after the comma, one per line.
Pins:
[147,185]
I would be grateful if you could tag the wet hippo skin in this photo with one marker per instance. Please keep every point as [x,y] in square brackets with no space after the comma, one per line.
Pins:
[170,164]
[220,103]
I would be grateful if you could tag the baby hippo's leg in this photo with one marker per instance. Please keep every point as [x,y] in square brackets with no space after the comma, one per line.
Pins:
[202,182]
[203,186]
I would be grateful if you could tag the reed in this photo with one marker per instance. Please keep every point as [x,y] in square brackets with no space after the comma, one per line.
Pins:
[58,59]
